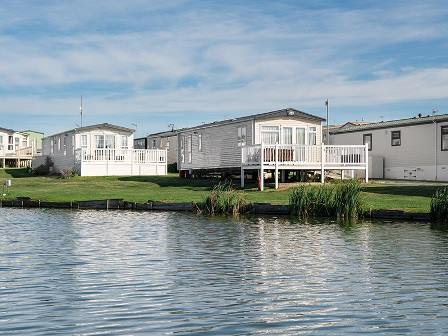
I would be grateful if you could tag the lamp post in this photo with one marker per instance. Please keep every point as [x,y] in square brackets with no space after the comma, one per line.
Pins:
[328,127]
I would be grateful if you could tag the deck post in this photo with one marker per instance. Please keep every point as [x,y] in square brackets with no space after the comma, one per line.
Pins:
[276,166]
[322,164]
[367,162]
[353,173]
[261,168]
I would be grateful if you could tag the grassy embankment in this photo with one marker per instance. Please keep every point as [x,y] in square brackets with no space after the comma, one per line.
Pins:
[401,196]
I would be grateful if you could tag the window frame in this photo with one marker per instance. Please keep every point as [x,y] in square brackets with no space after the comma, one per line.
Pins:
[443,129]
[199,142]
[392,138]
[263,130]
[82,145]
[364,136]
[312,130]
[242,136]
[124,142]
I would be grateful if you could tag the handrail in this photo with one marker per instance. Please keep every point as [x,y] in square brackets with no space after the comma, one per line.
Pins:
[330,155]
[122,155]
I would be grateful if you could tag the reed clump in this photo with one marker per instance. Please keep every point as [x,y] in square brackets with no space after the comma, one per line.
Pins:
[223,199]
[341,200]
[439,206]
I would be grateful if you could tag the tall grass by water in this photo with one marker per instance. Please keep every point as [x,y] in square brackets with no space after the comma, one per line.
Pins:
[224,199]
[439,206]
[341,200]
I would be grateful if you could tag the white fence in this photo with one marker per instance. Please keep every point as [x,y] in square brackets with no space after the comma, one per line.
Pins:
[139,156]
[120,162]
[303,155]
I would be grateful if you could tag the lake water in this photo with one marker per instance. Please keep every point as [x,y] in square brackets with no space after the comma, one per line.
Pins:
[130,273]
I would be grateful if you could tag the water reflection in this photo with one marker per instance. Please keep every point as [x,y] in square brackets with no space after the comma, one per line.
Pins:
[97,272]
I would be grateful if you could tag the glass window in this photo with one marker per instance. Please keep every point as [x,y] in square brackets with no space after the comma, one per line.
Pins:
[312,136]
[10,143]
[17,142]
[59,143]
[182,148]
[199,142]
[367,139]
[395,138]
[300,136]
[444,137]
[124,142]
[270,135]
[241,136]
[287,135]
[110,141]
[189,141]
[84,140]
[99,141]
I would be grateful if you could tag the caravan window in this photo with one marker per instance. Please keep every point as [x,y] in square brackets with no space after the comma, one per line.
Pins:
[182,148]
[300,136]
[199,142]
[395,138]
[241,136]
[124,142]
[367,139]
[287,135]
[312,136]
[270,135]
[84,140]
[99,141]
[444,137]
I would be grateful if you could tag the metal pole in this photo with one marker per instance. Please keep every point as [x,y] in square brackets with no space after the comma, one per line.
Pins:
[328,127]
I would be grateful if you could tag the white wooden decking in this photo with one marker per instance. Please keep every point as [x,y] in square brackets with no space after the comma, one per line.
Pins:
[302,157]
[120,162]
[20,158]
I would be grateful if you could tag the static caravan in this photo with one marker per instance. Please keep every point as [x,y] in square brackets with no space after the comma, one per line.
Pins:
[140,143]
[277,141]
[164,140]
[100,150]
[406,149]
[15,148]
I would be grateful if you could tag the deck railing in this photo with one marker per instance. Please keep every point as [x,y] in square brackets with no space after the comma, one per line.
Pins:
[21,152]
[139,156]
[301,155]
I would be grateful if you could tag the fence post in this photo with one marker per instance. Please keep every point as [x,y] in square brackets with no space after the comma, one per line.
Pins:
[276,166]
[322,162]
[242,168]
[366,146]
[261,168]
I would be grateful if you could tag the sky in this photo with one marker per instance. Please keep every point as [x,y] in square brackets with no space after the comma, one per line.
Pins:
[148,64]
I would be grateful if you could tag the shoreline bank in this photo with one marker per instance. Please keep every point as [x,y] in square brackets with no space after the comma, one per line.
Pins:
[256,208]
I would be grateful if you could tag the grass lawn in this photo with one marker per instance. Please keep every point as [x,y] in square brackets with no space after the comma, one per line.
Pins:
[413,197]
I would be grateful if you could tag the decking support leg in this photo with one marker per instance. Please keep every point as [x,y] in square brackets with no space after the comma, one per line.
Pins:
[342,174]
[276,177]
[242,177]
[261,179]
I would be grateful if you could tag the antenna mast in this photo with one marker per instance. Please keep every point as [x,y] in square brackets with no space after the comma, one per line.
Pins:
[80,108]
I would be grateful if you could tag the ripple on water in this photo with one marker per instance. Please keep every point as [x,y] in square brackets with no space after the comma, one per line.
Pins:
[102,273]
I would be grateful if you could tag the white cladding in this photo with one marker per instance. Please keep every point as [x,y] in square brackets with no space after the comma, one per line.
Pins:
[61,147]
[11,142]
[219,146]
[418,157]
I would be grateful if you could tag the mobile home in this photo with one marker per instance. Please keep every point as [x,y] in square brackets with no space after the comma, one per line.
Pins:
[100,150]
[15,149]
[277,141]
[164,140]
[405,149]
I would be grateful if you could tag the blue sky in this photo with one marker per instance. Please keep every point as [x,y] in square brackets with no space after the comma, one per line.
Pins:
[153,63]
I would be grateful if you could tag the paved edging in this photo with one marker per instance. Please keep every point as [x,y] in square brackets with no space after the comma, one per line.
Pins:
[256,208]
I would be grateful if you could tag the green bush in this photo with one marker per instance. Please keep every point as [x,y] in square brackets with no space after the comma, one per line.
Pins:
[439,205]
[341,200]
[223,200]
[172,167]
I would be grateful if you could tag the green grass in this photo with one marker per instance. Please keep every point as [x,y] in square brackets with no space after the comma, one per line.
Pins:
[170,188]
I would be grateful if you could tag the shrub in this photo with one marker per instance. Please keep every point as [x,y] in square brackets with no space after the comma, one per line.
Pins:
[342,200]
[172,167]
[44,169]
[67,173]
[223,200]
[439,205]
